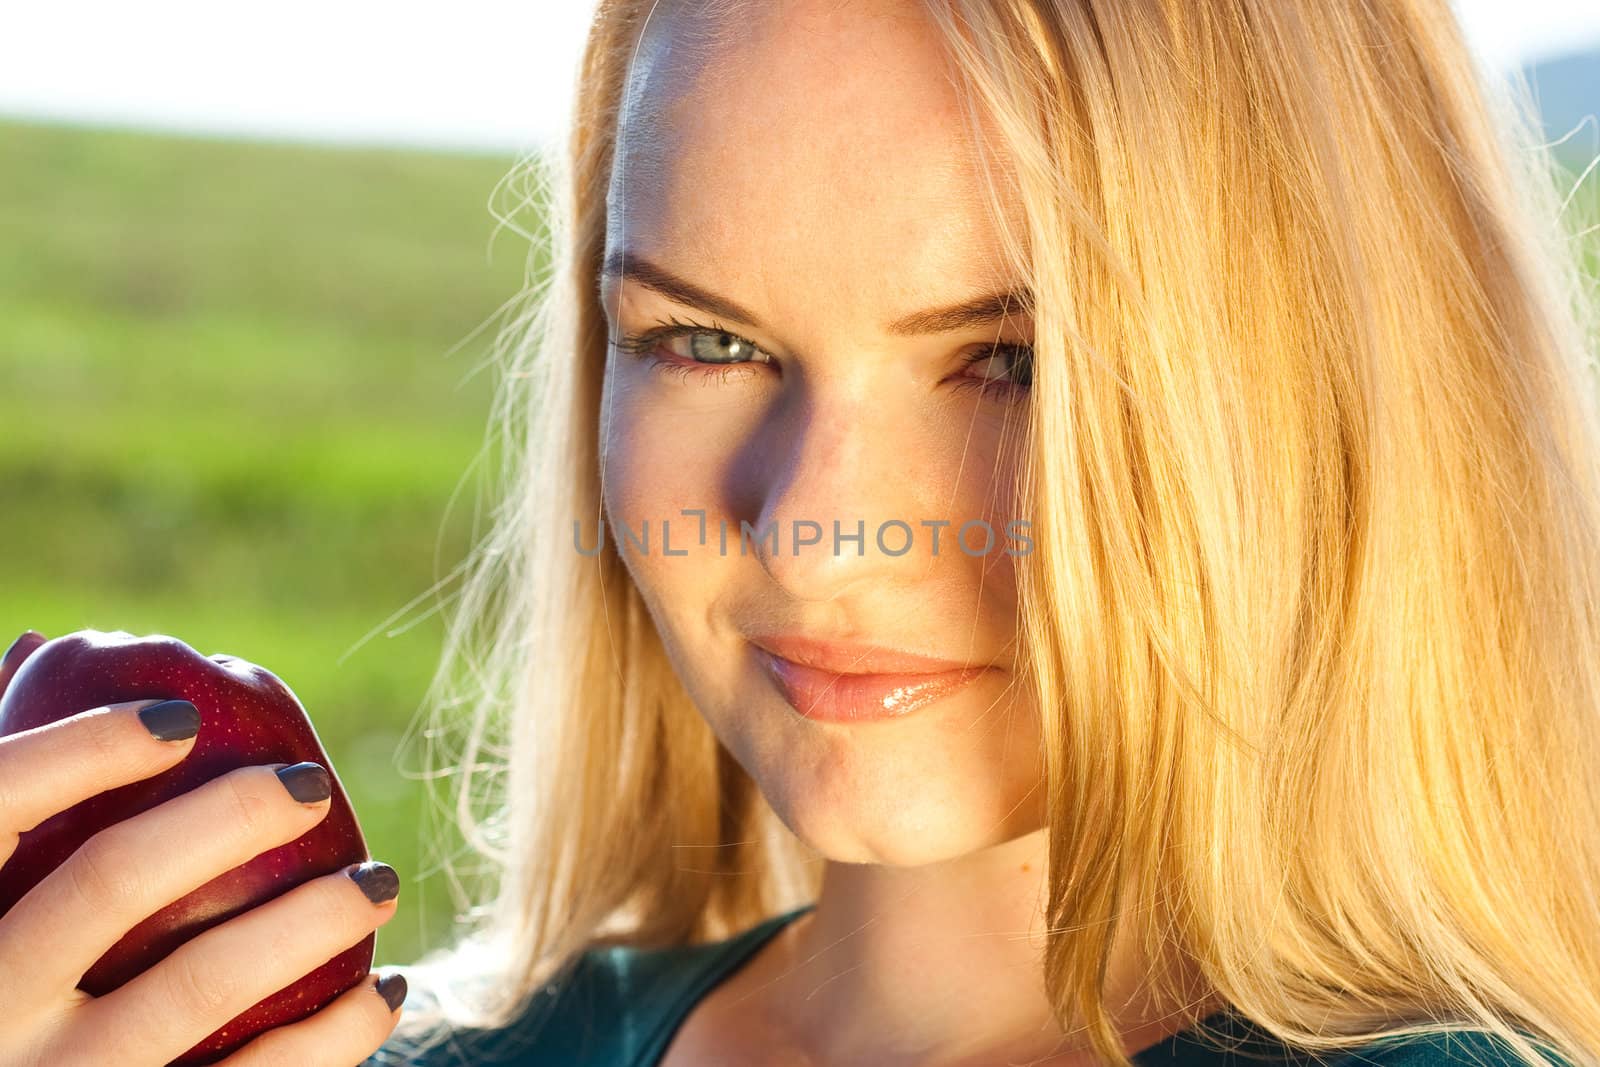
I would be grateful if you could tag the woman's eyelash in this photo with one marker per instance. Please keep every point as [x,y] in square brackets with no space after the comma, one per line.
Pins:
[1021,356]
[643,345]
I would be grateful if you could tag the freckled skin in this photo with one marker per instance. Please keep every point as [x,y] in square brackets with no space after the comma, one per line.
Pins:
[830,197]
[812,165]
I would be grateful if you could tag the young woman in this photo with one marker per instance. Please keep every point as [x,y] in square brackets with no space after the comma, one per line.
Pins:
[1042,532]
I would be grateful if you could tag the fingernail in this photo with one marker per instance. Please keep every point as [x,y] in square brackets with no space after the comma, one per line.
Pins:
[171,720]
[392,988]
[306,782]
[377,880]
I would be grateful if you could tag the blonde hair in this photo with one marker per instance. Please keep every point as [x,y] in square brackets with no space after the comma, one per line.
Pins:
[1313,612]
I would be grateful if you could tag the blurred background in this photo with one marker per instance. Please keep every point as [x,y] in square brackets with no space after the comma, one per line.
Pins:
[250,265]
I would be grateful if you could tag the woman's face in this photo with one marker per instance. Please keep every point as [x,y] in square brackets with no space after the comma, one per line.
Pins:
[810,176]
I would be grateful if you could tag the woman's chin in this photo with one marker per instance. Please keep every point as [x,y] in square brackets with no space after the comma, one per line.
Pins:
[904,794]
[887,823]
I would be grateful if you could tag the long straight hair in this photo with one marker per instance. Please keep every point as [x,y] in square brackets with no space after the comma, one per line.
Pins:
[1314,608]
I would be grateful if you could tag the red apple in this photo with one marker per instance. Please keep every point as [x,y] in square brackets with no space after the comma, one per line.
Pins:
[247,717]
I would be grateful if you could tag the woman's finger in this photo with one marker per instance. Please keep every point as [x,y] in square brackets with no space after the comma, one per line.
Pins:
[50,768]
[220,973]
[132,869]
[345,1032]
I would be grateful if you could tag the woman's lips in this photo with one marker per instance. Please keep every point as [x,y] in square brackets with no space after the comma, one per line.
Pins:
[833,697]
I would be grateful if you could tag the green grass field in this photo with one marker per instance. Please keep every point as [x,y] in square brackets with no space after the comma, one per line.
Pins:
[227,414]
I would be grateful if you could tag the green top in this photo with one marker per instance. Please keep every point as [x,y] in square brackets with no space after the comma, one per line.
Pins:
[620,1007]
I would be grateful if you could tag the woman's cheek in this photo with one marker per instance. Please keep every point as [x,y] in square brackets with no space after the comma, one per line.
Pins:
[656,465]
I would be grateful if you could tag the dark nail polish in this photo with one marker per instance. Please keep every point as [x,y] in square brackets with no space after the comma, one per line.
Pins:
[392,988]
[306,782]
[171,720]
[377,880]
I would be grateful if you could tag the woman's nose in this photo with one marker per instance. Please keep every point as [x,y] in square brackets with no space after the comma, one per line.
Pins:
[843,496]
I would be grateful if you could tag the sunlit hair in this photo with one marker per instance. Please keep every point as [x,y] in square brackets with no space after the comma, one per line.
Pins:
[1314,610]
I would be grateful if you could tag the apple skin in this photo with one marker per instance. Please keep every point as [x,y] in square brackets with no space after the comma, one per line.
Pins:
[247,717]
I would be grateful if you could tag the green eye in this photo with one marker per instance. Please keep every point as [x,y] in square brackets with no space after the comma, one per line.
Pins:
[713,351]
[1005,370]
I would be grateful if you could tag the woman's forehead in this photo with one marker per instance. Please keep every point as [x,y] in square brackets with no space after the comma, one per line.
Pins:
[789,81]
[819,139]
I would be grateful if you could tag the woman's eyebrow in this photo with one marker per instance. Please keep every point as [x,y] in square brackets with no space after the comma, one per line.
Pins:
[979,311]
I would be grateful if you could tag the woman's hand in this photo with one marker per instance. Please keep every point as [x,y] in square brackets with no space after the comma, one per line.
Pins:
[130,870]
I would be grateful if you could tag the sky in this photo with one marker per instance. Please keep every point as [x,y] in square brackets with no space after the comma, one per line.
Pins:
[489,75]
